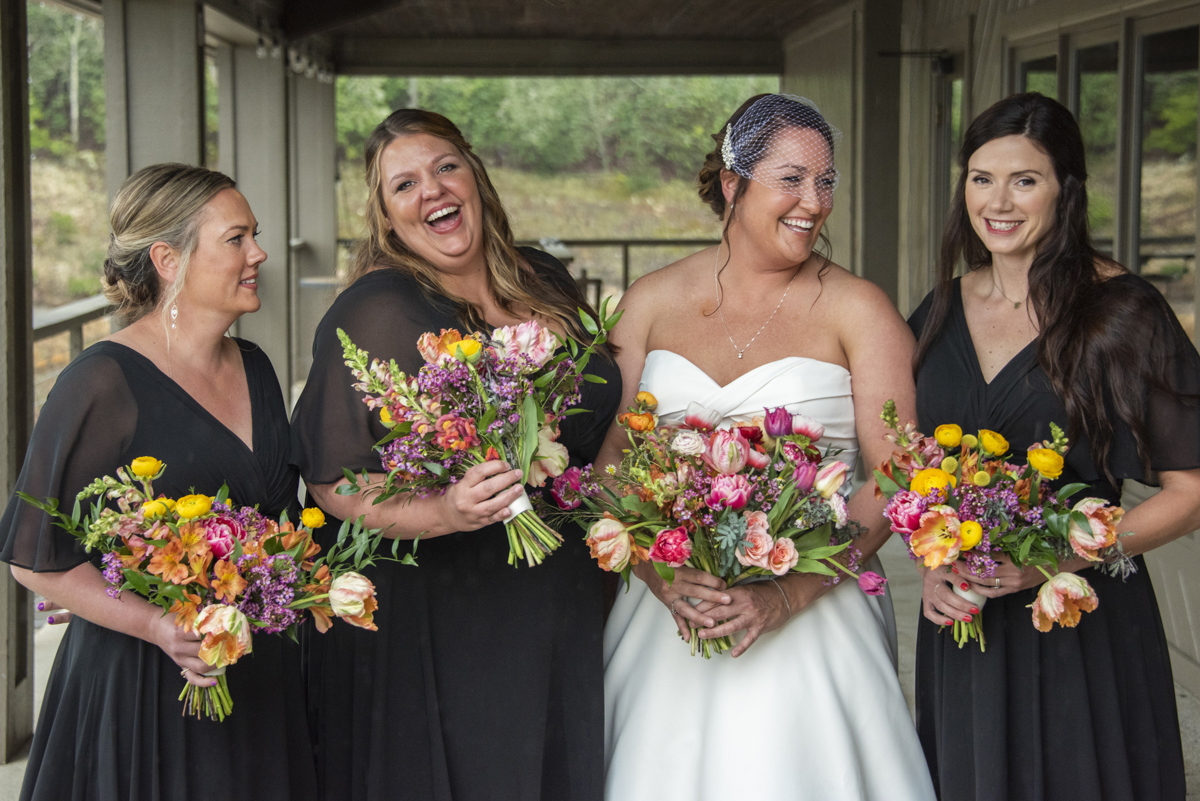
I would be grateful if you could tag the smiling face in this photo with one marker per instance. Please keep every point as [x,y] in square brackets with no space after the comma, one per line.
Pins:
[790,198]
[432,201]
[222,271]
[1011,196]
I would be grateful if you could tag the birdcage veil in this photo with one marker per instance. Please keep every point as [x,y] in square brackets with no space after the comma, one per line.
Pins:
[784,143]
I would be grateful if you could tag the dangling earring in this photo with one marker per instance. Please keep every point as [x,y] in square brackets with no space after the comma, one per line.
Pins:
[174,314]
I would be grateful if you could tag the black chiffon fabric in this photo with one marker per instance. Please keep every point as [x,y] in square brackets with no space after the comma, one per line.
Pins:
[110,727]
[484,681]
[1085,713]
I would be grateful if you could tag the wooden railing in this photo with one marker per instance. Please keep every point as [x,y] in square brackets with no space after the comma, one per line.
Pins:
[70,317]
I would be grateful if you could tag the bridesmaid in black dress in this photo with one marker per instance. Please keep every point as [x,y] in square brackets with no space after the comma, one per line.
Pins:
[483,682]
[182,266]
[1044,329]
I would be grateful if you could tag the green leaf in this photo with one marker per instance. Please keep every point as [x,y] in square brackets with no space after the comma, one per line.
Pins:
[435,468]
[223,494]
[589,324]
[824,552]
[1068,491]
[593,379]
[612,321]
[346,489]
[886,485]
[137,581]
[665,571]
[816,538]
[576,410]
[813,566]
[544,379]
[531,420]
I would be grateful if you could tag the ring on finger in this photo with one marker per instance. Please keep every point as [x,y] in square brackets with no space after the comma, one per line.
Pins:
[677,600]
[184,672]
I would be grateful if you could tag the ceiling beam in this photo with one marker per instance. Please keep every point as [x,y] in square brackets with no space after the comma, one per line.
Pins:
[307,17]
[362,56]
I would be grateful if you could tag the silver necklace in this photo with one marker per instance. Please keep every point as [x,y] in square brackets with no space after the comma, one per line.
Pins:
[717,288]
[1016,303]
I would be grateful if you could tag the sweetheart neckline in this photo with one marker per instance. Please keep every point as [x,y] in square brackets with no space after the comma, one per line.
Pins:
[748,372]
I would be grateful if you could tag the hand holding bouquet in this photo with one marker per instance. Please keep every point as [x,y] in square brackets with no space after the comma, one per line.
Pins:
[957,496]
[740,503]
[223,570]
[478,398]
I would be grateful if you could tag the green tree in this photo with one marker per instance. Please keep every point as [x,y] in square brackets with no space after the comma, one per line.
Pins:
[51,31]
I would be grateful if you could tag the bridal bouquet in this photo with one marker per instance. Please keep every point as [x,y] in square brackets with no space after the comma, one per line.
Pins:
[958,496]
[740,503]
[223,570]
[478,398]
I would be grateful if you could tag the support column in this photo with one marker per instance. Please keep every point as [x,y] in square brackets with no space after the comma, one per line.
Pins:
[154,85]
[260,125]
[16,378]
[314,211]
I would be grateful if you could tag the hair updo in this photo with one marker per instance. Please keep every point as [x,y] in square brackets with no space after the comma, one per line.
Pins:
[160,203]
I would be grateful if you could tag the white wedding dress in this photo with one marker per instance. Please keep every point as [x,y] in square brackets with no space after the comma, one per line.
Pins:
[812,711]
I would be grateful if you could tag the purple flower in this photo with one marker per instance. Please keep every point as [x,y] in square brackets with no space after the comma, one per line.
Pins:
[872,583]
[805,475]
[567,488]
[778,422]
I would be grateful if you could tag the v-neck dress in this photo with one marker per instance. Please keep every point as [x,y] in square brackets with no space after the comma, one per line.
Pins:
[484,682]
[110,727]
[1083,713]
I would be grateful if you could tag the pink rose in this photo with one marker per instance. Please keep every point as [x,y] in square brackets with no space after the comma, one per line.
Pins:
[610,543]
[783,556]
[527,339]
[807,427]
[221,531]
[804,475]
[830,478]
[757,459]
[701,418]
[904,512]
[872,583]
[727,450]
[730,492]
[672,546]
[757,546]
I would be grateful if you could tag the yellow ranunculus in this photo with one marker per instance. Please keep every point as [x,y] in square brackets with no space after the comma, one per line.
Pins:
[969,441]
[312,517]
[949,464]
[981,479]
[154,509]
[948,435]
[929,479]
[647,399]
[467,350]
[971,533]
[170,502]
[190,506]
[385,416]
[146,467]
[993,443]
[1046,462]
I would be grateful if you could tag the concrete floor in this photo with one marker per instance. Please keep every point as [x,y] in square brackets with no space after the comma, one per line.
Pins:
[906,594]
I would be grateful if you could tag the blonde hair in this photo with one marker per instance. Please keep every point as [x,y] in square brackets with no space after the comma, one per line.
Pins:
[159,203]
[512,282]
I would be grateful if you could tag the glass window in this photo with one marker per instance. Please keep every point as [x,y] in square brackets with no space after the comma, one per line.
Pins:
[1098,91]
[1040,75]
[1167,221]
[954,129]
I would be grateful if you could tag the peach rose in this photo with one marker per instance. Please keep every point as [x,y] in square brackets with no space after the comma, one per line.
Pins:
[783,556]
[756,549]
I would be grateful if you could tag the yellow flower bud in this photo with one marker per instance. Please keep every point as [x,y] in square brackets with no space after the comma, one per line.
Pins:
[467,350]
[1047,462]
[151,510]
[648,400]
[170,502]
[993,443]
[949,464]
[312,518]
[981,479]
[971,533]
[385,416]
[969,441]
[948,435]
[146,467]
[190,506]
[930,479]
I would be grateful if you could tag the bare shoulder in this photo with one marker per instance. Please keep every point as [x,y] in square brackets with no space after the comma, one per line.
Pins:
[852,297]
[668,282]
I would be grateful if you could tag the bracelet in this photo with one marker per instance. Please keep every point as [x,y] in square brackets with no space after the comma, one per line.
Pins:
[784,594]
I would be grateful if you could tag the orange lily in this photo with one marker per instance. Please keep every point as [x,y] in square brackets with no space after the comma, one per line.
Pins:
[186,611]
[228,583]
[169,563]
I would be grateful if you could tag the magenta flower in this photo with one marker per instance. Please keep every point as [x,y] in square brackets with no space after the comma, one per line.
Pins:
[805,475]
[672,546]
[221,531]
[872,583]
[728,492]
[904,512]
[567,488]
[778,422]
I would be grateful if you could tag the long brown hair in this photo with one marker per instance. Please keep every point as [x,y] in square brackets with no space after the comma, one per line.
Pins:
[1092,341]
[513,282]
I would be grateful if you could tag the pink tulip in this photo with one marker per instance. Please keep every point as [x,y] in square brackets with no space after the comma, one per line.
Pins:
[872,583]
[904,512]
[778,422]
[727,451]
[805,475]
[757,459]
[728,492]
[701,418]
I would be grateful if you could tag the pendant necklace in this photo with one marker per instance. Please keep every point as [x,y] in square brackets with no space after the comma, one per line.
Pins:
[717,288]
[1016,303]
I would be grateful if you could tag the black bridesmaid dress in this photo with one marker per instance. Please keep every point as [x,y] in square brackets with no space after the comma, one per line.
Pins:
[111,728]
[484,682]
[1073,714]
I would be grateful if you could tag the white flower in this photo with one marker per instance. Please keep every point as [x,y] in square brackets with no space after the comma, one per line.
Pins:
[689,443]
[550,460]
[838,504]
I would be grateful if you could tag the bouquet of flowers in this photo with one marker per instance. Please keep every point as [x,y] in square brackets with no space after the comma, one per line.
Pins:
[478,398]
[223,570]
[741,503]
[957,496]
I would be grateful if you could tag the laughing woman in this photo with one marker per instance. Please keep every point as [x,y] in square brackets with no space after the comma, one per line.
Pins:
[182,267]
[483,682]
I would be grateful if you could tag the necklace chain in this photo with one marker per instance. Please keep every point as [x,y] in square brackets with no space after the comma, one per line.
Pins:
[717,288]
[1016,303]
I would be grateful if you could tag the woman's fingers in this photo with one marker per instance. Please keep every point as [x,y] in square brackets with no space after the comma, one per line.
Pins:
[752,634]
[492,485]
[701,577]
[195,675]
[59,617]
[700,593]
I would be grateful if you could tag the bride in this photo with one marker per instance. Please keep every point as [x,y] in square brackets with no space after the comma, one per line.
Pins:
[807,704]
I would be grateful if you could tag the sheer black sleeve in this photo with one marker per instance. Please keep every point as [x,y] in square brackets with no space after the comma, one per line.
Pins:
[384,313]
[84,431]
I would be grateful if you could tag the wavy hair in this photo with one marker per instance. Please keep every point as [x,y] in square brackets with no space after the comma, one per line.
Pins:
[512,281]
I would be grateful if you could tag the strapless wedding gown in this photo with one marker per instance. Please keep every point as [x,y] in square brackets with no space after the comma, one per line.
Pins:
[811,711]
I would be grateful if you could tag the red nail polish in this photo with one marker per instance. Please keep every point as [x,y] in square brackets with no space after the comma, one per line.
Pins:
[955,569]
[967,619]
[965,586]
[974,610]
